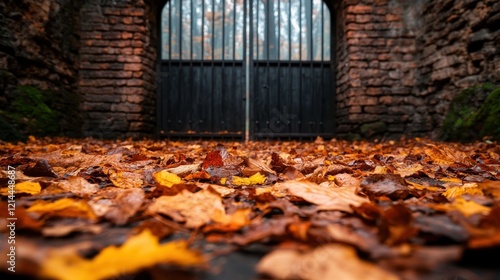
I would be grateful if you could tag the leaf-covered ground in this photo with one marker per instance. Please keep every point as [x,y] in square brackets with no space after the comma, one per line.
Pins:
[408,209]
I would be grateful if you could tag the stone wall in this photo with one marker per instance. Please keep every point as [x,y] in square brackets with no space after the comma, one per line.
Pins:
[399,63]
[39,43]
[117,69]
[459,47]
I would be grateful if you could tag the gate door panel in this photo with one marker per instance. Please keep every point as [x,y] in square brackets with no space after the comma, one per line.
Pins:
[246,67]
[202,77]
[292,78]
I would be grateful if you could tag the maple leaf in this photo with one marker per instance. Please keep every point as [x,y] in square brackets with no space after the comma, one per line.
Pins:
[213,159]
[138,252]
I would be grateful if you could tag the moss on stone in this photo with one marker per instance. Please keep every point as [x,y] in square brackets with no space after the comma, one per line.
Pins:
[474,114]
[40,113]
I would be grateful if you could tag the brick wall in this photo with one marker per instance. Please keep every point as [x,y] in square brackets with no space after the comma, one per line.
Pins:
[117,68]
[376,65]
[459,46]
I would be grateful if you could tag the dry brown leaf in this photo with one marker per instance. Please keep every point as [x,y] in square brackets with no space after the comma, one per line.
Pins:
[196,209]
[78,185]
[406,170]
[126,180]
[328,198]
[256,163]
[333,261]
[184,169]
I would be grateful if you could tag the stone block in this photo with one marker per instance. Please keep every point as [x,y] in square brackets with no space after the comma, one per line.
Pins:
[96,106]
[126,108]
[104,98]
[88,91]
[376,109]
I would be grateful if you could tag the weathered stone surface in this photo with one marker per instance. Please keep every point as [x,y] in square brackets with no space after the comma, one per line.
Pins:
[371,129]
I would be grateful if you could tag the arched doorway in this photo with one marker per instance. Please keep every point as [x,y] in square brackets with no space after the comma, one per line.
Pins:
[246,68]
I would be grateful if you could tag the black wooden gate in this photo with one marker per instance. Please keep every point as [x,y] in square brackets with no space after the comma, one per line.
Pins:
[246,68]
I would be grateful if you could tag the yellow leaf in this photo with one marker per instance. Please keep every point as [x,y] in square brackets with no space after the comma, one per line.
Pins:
[468,188]
[65,207]
[380,170]
[223,181]
[166,178]
[255,179]
[466,207]
[138,252]
[469,207]
[24,187]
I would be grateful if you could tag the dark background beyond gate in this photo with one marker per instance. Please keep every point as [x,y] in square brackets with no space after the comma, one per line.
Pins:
[203,71]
